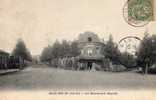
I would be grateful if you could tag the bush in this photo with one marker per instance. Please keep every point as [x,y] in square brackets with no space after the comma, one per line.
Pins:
[152,69]
[117,68]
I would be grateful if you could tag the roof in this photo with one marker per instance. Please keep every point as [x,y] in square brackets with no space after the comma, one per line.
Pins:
[88,37]
[3,53]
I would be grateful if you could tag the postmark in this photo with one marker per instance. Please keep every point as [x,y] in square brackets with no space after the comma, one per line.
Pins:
[138,13]
[129,44]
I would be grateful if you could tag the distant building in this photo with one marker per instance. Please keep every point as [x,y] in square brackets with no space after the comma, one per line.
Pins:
[3,59]
[91,47]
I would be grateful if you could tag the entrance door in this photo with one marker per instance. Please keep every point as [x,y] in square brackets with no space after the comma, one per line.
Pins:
[89,65]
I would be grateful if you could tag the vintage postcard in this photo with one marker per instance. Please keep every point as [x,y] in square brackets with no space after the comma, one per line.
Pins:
[78,49]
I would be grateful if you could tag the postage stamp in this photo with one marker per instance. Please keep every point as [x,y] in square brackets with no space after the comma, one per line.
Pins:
[138,13]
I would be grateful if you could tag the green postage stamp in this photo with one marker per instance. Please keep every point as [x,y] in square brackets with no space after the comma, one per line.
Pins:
[138,12]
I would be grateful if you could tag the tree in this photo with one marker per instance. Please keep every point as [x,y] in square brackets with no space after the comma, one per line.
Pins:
[65,49]
[56,50]
[127,60]
[147,52]
[46,54]
[75,51]
[21,50]
[111,50]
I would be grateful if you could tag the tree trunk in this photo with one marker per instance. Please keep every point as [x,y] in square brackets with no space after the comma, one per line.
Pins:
[146,69]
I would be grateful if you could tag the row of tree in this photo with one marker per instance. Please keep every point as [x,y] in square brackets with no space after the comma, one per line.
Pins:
[146,55]
[60,50]
[70,49]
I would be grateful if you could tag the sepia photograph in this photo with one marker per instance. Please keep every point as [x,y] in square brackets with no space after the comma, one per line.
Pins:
[99,46]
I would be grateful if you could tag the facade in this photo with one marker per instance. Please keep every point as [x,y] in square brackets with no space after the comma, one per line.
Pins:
[10,62]
[3,59]
[91,56]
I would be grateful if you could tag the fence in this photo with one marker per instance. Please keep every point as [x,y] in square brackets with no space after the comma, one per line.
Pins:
[65,63]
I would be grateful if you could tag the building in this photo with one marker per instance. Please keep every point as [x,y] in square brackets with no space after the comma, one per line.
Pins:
[3,59]
[91,47]
[3,53]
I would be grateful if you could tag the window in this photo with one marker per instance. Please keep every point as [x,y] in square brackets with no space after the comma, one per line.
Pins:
[97,48]
[89,39]
[90,52]
[82,52]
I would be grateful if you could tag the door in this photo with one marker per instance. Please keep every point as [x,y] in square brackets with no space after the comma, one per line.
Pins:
[89,66]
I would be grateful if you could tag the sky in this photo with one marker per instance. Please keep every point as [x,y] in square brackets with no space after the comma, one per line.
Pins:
[41,22]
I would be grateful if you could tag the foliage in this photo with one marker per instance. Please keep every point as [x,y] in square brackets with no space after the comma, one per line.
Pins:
[65,49]
[111,51]
[45,56]
[75,51]
[147,51]
[60,50]
[21,50]
[56,50]
[127,60]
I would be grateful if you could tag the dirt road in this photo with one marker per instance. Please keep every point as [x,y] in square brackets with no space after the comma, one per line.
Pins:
[44,77]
